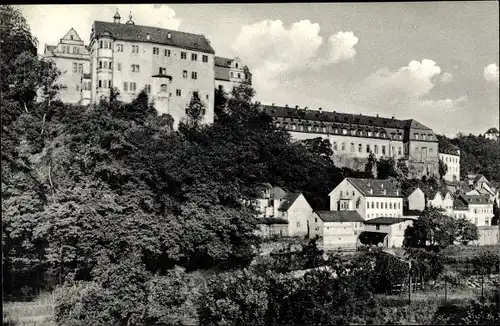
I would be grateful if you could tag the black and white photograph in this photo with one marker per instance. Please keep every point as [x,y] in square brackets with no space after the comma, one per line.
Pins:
[321,163]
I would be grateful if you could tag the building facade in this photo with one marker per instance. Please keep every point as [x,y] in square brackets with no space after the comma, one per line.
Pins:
[230,73]
[72,58]
[354,137]
[492,134]
[388,229]
[426,197]
[479,209]
[452,161]
[171,66]
[336,229]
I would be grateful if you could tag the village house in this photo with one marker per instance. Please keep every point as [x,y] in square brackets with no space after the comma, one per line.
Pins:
[387,231]
[492,134]
[371,198]
[480,209]
[426,197]
[282,213]
[336,229]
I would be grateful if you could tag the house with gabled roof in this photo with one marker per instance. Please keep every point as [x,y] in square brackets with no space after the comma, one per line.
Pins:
[336,229]
[387,231]
[371,198]
[282,212]
[428,196]
[480,209]
[231,72]
[492,134]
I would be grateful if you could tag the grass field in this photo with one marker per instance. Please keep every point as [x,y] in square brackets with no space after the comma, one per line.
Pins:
[37,312]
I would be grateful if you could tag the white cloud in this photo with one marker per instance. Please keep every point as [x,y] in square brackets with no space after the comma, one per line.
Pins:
[81,18]
[342,46]
[446,78]
[491,73]
[271,50]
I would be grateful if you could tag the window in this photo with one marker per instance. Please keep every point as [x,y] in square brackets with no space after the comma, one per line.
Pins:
[373,204]
[162,70]
[352,147]
[178,92]
[119,66]
[416,136]
[106,44]
[119,48]
[375,148]
[185,73]
[135,68]
[75,67]
[367,204]
[236,65]
[133,87]
[156,50]
[368,148]
[377,227]
[71,37]
[75,49]
[298,224]
[239,75]
[100,84]
[390,205]
[334,146]
[383,150]
[204,58]
[194,57]
[232,74]
[194,75]
[77,88]
[399,151]
[360,148]
[208,97]
[148,88]
[110,65]
[135,48]
[125,86]
[167,52]
[80,68]
[195,93]
[101,44]
[183,55]
[343,147]
[163,88]
[385,205]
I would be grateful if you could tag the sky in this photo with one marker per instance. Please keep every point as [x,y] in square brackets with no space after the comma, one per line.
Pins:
[436,62]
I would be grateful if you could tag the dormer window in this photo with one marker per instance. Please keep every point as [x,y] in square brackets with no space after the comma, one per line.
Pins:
[148,37]
[236,65]
[169,35]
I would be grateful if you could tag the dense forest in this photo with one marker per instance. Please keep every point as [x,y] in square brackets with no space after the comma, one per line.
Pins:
[477,155]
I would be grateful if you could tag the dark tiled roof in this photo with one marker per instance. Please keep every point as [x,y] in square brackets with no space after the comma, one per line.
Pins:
[278,193]
[222,62]
[413,212]
[475,199]
[289,200]
[431,192]
[459,204]
[388,220]
[446,147]
[377,186]
[271,220]
[342,118]
[339,216]
[130,32]
[492,131]
[221,73]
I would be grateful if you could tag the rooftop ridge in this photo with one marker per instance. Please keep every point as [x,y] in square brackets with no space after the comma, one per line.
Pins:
[142,26]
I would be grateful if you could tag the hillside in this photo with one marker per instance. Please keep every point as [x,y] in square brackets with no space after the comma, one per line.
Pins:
[477,154]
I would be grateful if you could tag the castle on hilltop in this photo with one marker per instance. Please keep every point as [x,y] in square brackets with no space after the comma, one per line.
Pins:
[355,136]
[171,66]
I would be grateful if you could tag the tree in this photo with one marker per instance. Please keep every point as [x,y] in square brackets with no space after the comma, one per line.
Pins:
[371,165]
[386,167]
[496,213]
[220,101]
[443,169]
[432,230]
[466,231]
[319,146]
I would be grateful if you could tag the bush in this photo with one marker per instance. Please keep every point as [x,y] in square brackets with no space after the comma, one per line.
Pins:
[452,278]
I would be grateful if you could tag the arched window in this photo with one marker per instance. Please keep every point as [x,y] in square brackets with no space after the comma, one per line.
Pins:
[163,88]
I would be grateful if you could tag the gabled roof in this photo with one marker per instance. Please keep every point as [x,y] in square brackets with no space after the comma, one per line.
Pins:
[289,200]
[222,62]
[221,73]
[271,220]
[431,192]
[339,216]
[387,220]
[459,204]
[342,118]
[278,193]
[138,33]
[479,176]
[475,199]
[492,131]
[377,187]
